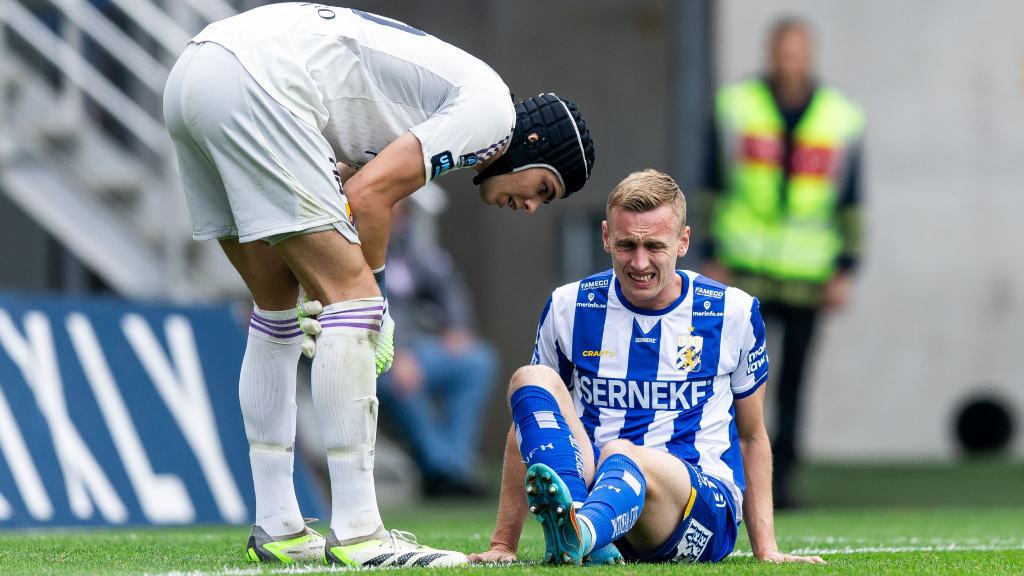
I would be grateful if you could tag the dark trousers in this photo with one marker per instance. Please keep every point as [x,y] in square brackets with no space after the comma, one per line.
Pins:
[797,331]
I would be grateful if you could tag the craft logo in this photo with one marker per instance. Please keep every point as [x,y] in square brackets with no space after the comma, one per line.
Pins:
[695,541]
[702,291]
[605,353]
[688,352]
[441,163]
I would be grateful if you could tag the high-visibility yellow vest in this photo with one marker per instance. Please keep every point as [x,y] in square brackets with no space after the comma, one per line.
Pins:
[789,234]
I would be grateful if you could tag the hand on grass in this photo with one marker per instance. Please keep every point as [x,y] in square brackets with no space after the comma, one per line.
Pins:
[779,558]
[495,554]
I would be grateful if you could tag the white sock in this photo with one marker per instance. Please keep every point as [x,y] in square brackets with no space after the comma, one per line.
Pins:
[266,392]
[345,397]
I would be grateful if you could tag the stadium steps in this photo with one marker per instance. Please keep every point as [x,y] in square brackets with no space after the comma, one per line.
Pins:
[94,235]
[117,207]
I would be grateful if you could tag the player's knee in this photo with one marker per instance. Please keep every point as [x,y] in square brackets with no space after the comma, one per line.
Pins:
[532,376]
[618,446]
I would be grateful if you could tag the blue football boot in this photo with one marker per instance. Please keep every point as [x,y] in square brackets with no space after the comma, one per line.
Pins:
[603,556]
[551,502]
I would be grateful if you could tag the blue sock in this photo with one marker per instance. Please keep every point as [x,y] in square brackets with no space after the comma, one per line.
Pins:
[616,500]
[545,438]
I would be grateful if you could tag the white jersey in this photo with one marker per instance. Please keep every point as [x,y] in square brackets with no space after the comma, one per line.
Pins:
[664,379]
[363,80]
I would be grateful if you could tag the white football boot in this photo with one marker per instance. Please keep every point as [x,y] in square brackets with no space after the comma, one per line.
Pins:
[399,550]
[306,546]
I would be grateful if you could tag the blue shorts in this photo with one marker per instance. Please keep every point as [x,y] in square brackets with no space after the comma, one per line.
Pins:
[707,532]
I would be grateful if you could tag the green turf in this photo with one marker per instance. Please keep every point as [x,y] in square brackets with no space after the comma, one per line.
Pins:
[940,541]
[971,482]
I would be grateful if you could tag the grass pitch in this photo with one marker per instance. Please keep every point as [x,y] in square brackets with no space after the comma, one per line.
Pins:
[888,541]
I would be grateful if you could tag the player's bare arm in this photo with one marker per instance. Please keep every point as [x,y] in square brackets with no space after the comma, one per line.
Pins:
[757,465]
[511,508]
[392,175]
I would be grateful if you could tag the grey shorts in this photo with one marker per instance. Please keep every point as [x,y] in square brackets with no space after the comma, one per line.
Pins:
[250,168]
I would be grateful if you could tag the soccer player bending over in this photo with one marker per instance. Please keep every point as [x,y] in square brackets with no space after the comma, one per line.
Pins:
[263,107]
[639,421]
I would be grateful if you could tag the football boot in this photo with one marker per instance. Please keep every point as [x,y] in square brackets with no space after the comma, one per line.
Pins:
[551,502]
[306,546]
[603,556]
[401,549]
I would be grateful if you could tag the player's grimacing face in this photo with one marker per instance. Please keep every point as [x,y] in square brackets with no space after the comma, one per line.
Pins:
[526,189]
[644,248]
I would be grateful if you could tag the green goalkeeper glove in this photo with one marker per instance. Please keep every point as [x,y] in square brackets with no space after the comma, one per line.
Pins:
[307,312]
[386,345]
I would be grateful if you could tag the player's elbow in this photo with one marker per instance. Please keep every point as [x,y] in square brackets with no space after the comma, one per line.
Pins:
[361,198]
[753,437]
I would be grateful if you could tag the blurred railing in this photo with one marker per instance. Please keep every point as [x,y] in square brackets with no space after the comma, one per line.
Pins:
[109,191]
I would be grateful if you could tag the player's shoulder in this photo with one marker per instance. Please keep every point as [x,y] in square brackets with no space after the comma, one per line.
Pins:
[735,299]
[487,108]
[566,296]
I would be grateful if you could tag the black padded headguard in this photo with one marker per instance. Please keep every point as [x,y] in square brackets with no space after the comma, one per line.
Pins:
[550,132]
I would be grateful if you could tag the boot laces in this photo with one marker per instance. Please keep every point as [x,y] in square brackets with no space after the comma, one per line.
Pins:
[405,539]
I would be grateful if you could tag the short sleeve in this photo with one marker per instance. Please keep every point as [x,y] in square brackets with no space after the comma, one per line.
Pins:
[472,126]
[546,349]
[752,370]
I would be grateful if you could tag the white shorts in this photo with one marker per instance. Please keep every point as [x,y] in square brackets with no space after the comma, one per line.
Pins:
[250,168]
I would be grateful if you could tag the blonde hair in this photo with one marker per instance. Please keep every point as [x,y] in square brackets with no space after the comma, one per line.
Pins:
[644,191]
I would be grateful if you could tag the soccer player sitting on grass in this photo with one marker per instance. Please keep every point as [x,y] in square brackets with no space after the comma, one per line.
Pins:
[262,108]
[640,419]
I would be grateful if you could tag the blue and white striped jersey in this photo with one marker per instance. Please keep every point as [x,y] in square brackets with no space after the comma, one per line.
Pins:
[664,379]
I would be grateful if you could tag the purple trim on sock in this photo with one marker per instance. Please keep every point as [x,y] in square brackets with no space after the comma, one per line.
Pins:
[282,332]
[269,321]
[275,334]
[357,317]
[276,325]
[381,307]
[350,325]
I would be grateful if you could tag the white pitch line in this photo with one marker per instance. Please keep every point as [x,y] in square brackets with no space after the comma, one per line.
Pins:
[305,569]
[952,547]
[318,569]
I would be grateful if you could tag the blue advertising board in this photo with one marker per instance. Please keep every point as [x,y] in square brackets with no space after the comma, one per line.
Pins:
[113,412]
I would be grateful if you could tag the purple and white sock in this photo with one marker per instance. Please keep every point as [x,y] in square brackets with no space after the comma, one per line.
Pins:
[345,398]
[281,326]
[266,392]
[361,314]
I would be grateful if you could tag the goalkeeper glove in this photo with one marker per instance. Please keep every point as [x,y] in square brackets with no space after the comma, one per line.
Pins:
[385,353]
[307,311]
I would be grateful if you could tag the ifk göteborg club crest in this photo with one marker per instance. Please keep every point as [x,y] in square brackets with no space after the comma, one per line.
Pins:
[688,352]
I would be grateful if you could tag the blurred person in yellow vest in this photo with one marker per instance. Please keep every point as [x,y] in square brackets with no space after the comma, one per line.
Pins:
[784,163]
